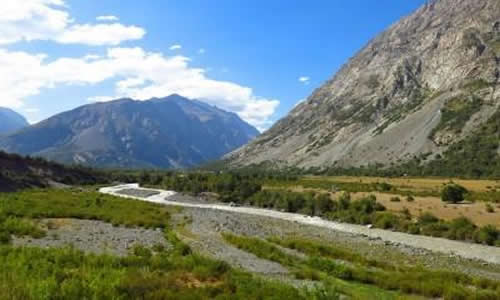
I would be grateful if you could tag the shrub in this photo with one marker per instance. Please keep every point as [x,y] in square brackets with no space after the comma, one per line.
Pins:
[142,251]
[384,187]
[487,235]
[4,237]
[489,208]
[386,221]
[410,198]
[427,218]
[395,199]
[461,229]
[453,193]
[344,200]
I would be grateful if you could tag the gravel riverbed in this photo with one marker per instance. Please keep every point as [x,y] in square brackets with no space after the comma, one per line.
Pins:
[93,237]
[409,242]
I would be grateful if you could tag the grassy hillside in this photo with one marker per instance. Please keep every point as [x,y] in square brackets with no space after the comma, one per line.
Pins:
[19,172]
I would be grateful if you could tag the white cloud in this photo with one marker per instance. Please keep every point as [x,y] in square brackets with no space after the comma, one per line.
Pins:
[175,47]
[101,99]
[29,20]
[107,18]
[201,51]
[100,34]
[138,74]
[304,79]
[91,57]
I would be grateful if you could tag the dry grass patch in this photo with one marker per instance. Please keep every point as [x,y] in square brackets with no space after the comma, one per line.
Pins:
[417,184]
[476,212]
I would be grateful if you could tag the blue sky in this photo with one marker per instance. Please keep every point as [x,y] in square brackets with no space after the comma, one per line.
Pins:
[257,58]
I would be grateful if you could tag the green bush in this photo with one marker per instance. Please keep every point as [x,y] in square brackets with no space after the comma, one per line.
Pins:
[488,234]
[386,221]
[4,237]
[453,193]
[427,218]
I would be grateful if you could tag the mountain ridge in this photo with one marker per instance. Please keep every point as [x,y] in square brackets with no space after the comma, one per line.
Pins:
[168,132]
[11,121]
[426,83]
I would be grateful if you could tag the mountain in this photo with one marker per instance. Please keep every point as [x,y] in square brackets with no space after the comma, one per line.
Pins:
[425,89]
[159,133]
[11,121]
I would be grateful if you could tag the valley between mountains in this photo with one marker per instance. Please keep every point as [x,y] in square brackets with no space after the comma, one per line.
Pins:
[383,184]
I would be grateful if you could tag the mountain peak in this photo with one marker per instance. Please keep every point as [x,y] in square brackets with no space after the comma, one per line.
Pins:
[427,82]
[165,133]
[11,121]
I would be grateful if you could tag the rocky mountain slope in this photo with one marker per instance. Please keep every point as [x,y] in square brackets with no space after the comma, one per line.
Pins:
[11,121]
[425,84]
[164,133]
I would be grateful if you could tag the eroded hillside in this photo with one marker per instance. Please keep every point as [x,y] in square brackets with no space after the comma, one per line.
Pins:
[427,83]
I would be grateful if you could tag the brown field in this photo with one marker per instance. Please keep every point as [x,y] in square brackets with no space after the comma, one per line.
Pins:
[418,184]
[476,212]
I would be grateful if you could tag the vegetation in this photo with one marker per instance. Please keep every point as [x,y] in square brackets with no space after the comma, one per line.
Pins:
[456,113]
[453,193]
[18,172]
[177,273]
[51,203]
[325,262]
[367,210]
[70,274]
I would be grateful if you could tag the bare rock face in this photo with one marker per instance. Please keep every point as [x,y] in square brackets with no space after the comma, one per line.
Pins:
[422,85]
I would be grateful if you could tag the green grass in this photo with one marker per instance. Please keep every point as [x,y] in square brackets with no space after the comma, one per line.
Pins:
[52,203]
[158,273]
[33,273]
[411,280]
[313,269]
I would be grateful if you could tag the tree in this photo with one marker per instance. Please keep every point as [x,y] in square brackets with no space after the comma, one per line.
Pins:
[453,193]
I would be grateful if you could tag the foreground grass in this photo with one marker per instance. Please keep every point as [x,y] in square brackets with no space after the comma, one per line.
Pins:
[330,263]
[32,273]
[304,270]
[158,273]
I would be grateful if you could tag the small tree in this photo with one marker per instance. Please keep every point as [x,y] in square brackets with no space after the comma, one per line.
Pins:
[453,193]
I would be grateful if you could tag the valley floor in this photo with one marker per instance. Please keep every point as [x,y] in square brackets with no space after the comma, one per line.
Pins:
[404,241]
[175,246]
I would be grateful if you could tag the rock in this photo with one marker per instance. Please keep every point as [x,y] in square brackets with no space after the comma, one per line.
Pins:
[385,102]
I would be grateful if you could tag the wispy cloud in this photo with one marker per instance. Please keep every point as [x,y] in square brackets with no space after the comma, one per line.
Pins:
[304,79]
[107,18]
[175,47]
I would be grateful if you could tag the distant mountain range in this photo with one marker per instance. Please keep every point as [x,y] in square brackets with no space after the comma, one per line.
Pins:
[11,121]
[171,132]
[425,90]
